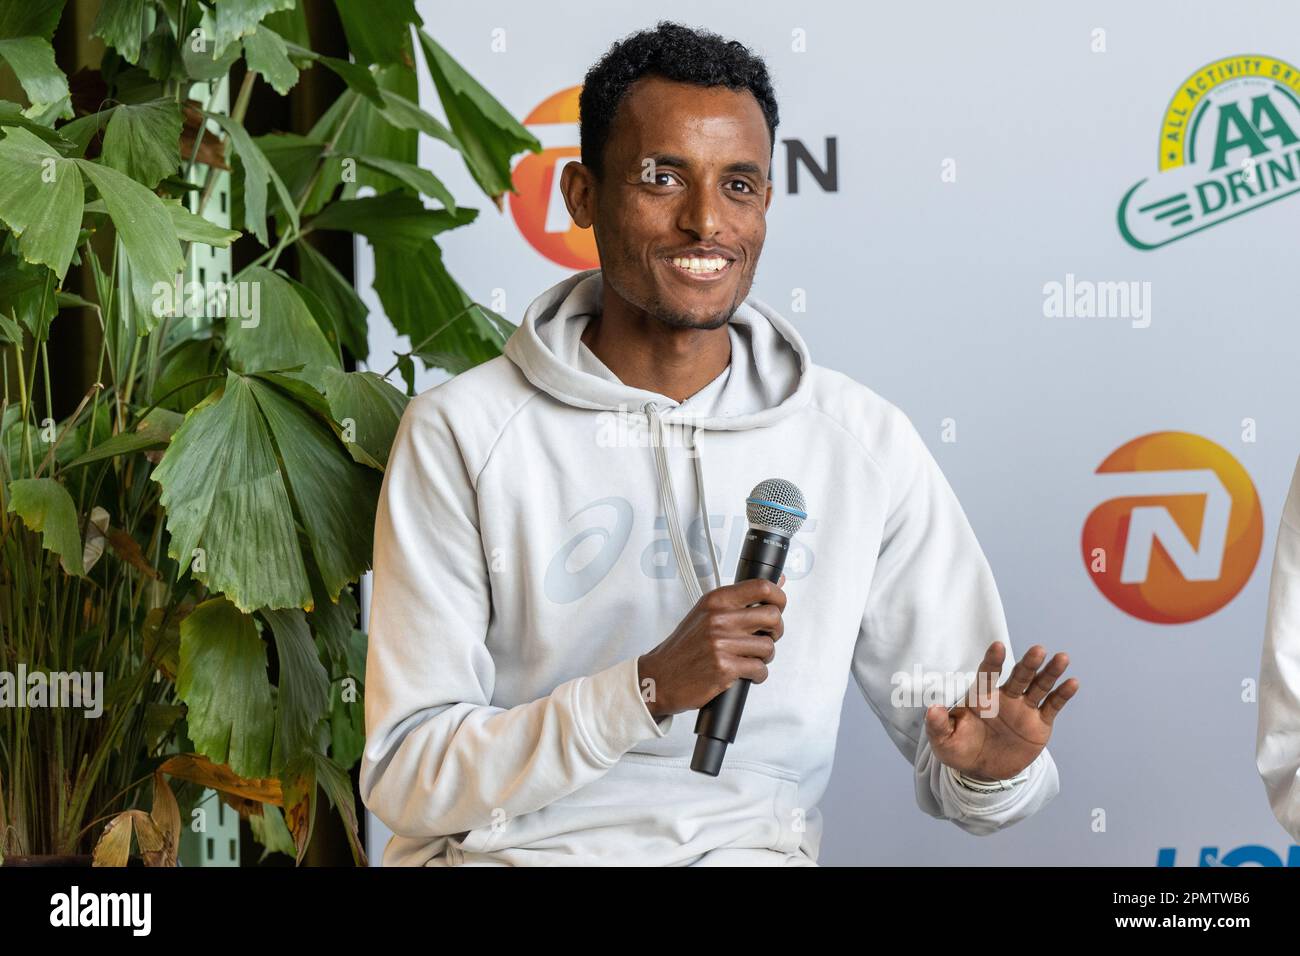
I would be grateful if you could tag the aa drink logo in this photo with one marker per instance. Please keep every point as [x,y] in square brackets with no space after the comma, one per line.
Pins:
[537,205]
[1229,144]
[1180,531]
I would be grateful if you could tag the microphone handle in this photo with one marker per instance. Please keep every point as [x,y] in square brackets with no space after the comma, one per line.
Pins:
[762,555]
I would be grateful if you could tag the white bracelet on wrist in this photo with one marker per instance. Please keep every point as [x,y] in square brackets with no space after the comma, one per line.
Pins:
[989,786]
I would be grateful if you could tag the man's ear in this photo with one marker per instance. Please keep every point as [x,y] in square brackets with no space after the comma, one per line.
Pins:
[578,185]
[767,200]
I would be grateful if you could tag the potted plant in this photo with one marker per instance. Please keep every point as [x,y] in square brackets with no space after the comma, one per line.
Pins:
[178,556]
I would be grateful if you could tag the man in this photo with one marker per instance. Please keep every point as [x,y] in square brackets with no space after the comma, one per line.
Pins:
[535,667]
[1277,742]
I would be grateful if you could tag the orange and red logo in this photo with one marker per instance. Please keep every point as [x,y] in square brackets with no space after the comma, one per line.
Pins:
[537,205]
[1181,532]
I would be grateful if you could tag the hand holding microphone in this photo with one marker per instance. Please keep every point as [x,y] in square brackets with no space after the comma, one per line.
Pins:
[727,640]
[730,633]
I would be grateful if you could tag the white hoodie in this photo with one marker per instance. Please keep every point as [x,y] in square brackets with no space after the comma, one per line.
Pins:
[1277,745]
[529,547]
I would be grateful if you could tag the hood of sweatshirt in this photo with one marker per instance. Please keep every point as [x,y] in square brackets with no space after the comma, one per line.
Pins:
[767,379]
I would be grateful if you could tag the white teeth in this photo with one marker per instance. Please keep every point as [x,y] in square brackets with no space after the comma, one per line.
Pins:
[700,265]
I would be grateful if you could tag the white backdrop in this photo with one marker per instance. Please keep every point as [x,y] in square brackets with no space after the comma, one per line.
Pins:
[983,151]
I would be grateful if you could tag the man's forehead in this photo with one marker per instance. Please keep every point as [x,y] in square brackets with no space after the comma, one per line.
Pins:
[699,124]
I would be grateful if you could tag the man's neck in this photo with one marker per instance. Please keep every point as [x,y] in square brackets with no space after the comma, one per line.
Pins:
[649,355]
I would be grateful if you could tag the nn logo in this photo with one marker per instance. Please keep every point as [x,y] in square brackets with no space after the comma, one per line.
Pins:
[1229,144]
[537,204]
[1180,530]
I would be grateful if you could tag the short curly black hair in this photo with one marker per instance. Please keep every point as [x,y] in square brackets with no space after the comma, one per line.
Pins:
[675,52]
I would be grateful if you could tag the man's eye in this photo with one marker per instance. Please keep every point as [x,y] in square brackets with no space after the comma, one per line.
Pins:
[742,182]
[658,174]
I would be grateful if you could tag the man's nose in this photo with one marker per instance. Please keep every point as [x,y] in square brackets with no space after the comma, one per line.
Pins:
[700,215]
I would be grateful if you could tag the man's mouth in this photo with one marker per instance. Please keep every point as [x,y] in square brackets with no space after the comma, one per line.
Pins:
[708,269]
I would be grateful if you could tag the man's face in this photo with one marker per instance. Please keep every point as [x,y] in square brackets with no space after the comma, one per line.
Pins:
[685,176]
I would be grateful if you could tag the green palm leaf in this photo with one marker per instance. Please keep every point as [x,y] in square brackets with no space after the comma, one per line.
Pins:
[143,141]
[282,333]
[488,134]
[41,199]
[148,236]
[226,498]
[46,508]
[304,688]
[335,498]
[223,681]
[368,409]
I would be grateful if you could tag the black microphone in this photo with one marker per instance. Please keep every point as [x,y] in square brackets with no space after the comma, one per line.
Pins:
[775,510]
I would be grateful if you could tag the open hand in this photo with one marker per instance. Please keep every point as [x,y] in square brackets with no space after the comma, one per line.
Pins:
[995,732]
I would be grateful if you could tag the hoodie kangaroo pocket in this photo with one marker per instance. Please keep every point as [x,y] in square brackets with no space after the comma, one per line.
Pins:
[654,811]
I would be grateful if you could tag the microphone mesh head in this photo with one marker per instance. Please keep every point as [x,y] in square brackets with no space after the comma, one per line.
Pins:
[776,505]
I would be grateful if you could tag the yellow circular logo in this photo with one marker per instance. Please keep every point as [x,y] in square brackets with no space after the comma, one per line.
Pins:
[1229,144]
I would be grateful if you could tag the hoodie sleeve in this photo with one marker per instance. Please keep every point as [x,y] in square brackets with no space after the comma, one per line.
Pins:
[439,758]
[1277,746]
[933,609]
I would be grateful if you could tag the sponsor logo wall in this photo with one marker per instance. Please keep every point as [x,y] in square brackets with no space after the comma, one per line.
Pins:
[1061,237]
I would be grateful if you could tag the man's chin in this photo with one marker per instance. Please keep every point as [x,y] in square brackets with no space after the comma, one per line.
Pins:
[678,308]
[670,313]
[701,323]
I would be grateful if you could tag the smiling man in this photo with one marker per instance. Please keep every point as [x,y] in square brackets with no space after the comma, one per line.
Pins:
[677,260]
[546,606]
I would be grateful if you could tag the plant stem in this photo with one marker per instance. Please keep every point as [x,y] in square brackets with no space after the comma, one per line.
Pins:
[71,424]
[430,337]
[237,114]
[194,381]
[22,399]
[203,128]
[315,178]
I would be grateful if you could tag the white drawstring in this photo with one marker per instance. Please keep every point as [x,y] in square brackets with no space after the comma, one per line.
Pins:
[704,506]
[668,499]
